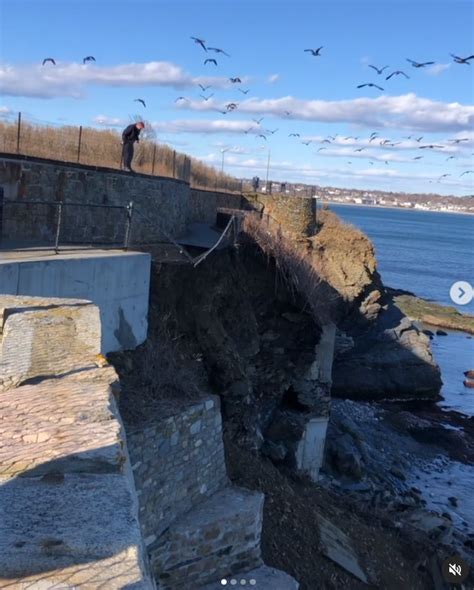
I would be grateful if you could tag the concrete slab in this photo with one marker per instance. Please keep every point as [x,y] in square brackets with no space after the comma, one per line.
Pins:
[116,281]
[201,235]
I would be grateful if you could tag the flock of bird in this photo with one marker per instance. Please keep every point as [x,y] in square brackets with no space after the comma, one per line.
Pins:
[335,140]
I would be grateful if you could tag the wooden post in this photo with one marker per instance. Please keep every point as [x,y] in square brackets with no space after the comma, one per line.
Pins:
[79,141]
[154,156]
[18,133]
[174,163]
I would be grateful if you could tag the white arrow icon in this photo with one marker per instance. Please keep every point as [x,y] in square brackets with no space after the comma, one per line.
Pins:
[461,293]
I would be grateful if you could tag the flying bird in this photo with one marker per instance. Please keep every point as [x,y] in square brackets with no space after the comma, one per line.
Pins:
[294,135]
[258,121]
[349,162]
[272,131]
[235,80]
[49,59]
[204,88]
[322,148]
[384,141]
[467,172]
[210,61]
[418,139]
[359,149]
[200,42]
[370,85]
[261,135]
[396,73]
[243,91]
[247,130]
[206,98]
[462,60]
[459,140]
[287,113]
[418,157]
[326,141]
[315,52]
[386,162]
[306,142]
[181,98]
[88,58]
[231,106]
[431,146]
[417,64]
[378,70]
[140,100]
[217,50]
[443,176]
[450,158]
[371,163]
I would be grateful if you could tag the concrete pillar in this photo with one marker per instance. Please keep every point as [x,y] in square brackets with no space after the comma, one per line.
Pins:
[325,354]
[310,451]
[309,455]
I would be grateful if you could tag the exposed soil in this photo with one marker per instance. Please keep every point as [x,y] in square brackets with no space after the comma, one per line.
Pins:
[393,559]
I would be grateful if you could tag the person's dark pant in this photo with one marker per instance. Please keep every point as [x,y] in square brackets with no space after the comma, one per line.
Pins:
[127,154]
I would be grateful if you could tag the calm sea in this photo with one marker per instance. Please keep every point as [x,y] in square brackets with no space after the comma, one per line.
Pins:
[425,253]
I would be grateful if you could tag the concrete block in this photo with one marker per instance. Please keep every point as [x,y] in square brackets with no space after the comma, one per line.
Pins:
[310,451]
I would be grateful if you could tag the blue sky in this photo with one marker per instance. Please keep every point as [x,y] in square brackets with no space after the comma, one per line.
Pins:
[143,49]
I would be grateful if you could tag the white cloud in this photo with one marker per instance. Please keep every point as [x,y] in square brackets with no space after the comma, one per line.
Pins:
[71,79]
[5,111]
[204,126]
[273,78]
[436,69]
[109,121]
[407,111]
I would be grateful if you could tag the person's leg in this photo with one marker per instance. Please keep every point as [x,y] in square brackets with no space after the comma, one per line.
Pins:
[127,155]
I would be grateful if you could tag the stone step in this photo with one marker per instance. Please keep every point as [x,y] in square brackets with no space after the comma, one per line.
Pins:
[261,578]
[70,531]
[45,337]
[61,425]
[218,538]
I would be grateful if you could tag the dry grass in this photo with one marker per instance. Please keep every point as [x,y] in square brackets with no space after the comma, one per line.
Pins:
[295,265]
[103,148]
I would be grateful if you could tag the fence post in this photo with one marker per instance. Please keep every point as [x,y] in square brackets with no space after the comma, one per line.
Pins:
[18,133]
[154,156]
[58,227]
[174,163]
[79,144]
[128,226]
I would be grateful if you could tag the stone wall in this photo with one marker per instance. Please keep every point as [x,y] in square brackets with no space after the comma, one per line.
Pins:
[177,462]
[69,513]
[164,202]
[204,204]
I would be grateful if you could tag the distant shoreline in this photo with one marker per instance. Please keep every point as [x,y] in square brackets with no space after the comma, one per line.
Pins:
[394,208]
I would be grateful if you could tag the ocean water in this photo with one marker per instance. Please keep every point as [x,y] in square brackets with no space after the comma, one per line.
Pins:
[425,253]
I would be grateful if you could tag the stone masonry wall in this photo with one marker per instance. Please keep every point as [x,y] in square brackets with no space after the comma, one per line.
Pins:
[177,462]
[204,204]
[164,201]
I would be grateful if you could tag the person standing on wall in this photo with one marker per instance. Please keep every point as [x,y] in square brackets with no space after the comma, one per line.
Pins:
[130,135]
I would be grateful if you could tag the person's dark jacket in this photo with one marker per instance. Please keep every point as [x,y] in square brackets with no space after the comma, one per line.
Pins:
[131,134]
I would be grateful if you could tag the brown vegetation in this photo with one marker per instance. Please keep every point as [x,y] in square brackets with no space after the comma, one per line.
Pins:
[295,266]
[103,148]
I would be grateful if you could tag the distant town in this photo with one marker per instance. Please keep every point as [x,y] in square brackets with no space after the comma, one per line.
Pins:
[375,198]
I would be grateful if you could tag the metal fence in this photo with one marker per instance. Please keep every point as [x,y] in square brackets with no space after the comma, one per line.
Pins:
[44,227]
[26,135]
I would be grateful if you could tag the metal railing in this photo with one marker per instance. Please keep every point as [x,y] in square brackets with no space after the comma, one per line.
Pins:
[60,206]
